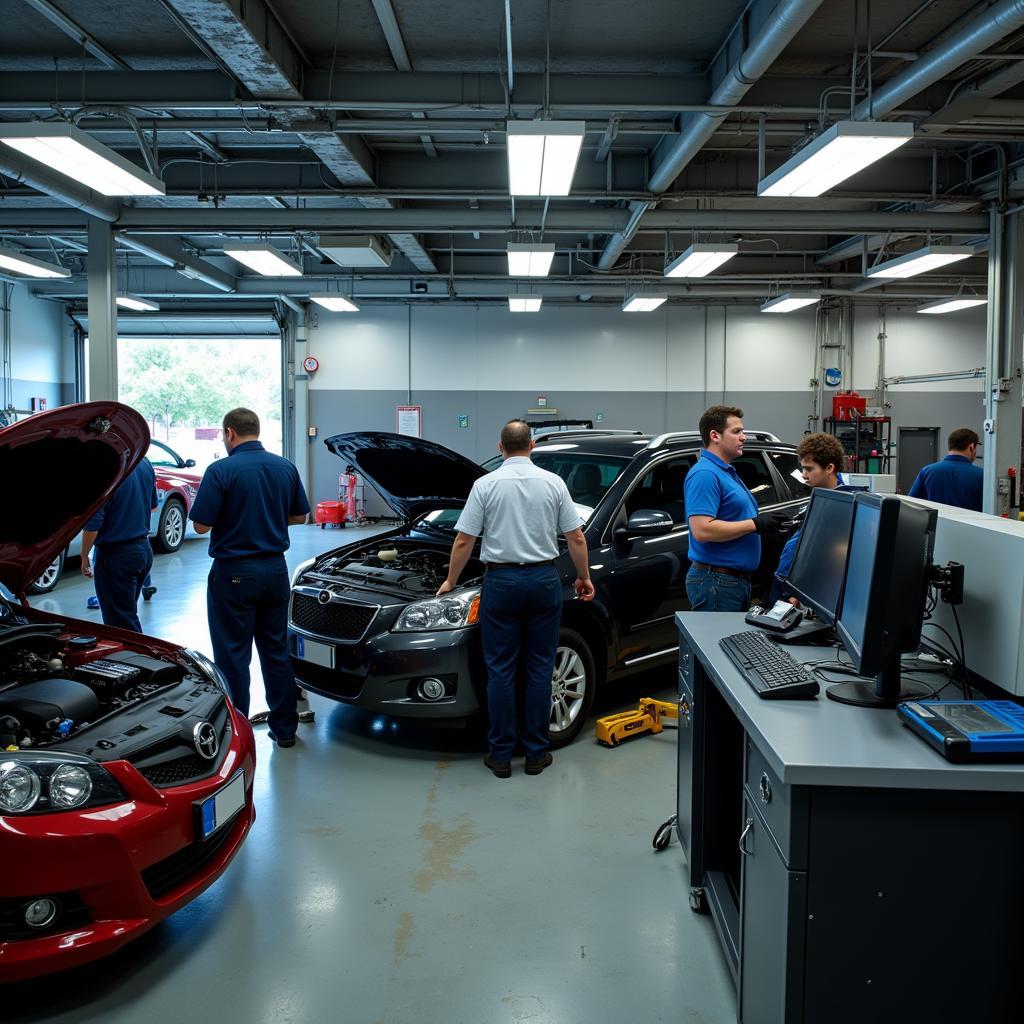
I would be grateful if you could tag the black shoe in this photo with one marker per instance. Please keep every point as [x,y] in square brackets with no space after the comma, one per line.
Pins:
[148,592]
[300,693]
[501,769]
[283,742]
[536,767]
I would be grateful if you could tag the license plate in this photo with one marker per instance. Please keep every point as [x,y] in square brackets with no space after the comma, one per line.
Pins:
[314,652]
[217,810]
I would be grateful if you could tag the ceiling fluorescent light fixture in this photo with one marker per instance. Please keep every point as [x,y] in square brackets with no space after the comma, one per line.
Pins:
[334,302]
[13,261]
[789,301]
[70,151]
[524,303]
[846,148]
[136,302]
[530,260]
[701,258]
[952,305]
[263,258]
[920,261]
[542,156]
[643,301]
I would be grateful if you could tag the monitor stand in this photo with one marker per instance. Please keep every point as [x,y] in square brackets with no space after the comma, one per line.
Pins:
[886,690]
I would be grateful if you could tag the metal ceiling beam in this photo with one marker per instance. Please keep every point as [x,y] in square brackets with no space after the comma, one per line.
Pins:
[253,43]
[80,36]
[734,70]
[987,29]
[172,254]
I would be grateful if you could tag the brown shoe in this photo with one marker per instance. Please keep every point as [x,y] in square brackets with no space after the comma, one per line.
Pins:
[501,769]
[536,767]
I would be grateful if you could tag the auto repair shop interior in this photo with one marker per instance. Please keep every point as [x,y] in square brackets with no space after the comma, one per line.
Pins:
[408,223]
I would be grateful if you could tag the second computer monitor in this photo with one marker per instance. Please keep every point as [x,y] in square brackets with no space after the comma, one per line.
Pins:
[819,564]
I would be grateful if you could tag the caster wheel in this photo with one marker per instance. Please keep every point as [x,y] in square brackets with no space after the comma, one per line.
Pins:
[664,835]
[698,901]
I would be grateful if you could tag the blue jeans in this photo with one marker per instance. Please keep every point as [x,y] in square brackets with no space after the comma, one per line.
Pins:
[710,591]
[119,572]
[247,600]
[520,612]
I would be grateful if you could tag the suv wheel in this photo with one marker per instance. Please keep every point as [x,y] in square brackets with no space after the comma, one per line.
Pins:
[572,688]
[171,530]
[50,577]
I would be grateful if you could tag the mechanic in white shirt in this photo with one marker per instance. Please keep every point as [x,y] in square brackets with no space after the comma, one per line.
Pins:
[519,510]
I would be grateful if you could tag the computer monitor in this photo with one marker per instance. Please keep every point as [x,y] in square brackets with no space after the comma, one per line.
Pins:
[881,609]
[819,563]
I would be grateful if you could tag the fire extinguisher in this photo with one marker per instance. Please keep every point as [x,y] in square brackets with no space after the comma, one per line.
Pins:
[350,499]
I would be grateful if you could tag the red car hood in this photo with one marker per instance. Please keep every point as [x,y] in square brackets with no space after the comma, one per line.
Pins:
[57,468]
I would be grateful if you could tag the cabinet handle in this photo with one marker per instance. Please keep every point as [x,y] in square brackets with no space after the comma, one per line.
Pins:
[748,827]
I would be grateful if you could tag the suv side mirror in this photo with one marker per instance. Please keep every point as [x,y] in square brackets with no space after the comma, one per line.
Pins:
[189,463]
[645,522]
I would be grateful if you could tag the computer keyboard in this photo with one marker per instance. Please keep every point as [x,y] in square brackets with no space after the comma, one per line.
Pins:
[773,673]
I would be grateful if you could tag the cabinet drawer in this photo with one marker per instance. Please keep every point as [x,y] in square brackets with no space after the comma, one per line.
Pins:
[784,808]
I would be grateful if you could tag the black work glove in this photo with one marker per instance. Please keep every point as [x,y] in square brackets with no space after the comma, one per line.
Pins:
[769,522]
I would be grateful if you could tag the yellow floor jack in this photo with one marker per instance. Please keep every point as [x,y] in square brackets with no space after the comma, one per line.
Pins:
[648,717]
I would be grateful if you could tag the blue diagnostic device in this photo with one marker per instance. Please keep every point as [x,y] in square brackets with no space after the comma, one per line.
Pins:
[968,730]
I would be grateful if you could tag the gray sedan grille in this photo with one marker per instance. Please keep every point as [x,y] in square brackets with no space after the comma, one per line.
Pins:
[336,619]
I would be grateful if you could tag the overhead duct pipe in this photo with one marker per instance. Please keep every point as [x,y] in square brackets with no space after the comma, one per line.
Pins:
[781,26]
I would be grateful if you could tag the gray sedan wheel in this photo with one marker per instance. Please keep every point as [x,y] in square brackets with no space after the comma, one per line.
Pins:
[572,688]
[49,578]
[171,530]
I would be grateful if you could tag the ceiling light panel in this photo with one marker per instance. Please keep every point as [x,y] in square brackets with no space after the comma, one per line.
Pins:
[334,302]
[643,301]
[72,152]
[524,303]
[834,156]
[952,305]
[263,258]
[530,260]
[542,156]
[701,259]
[920,261]
[790,301]
[16,263]
[137,303]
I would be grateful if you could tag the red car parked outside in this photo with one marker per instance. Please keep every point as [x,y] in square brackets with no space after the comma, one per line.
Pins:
[125,773]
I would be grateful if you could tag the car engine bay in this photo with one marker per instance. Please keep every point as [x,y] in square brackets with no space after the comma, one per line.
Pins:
[395,565]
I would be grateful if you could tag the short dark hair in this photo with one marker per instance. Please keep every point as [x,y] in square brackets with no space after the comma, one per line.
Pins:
[243,422]
[716,418]
[824,449]
[961,439]
[515,436]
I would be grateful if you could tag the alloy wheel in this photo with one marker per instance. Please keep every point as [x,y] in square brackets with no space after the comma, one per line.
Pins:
[568,689]
[174,526]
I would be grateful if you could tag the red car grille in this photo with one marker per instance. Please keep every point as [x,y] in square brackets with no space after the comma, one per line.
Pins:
[167,874]
[336,619]
[176,772]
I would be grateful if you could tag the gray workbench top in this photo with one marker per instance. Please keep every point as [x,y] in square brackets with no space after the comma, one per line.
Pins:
[820,742]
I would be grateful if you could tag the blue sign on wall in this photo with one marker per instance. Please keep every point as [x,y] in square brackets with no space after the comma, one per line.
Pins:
[833,376]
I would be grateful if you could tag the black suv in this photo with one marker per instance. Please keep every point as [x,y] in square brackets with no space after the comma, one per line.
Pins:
[365,626]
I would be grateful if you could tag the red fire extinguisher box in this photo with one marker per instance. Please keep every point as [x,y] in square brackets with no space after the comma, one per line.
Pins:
[848,405]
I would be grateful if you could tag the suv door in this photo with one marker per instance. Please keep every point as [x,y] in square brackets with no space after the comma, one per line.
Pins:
[648,585]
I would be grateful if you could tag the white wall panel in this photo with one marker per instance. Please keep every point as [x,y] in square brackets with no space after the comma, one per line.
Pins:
[38,336]
[685,363]
[361,351]
[445,348]
[768,352]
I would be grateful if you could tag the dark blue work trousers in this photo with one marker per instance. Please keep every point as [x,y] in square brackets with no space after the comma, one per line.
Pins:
[118,573]
[520,611]
[246,601]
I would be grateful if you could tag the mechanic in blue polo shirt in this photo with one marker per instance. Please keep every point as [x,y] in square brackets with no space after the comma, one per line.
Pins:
[120,533]
[249,500]
[955,480]
[725,525]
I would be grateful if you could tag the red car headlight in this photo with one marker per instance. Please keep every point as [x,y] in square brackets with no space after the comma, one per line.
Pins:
[32,782]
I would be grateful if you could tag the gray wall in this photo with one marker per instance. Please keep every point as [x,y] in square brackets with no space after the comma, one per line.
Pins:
[653,372]
[40,341]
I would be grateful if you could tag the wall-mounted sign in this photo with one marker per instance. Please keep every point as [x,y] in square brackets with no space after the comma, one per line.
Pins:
[599,417]
[542,400]
[410,420]
[833,376]
[463,420]
[311,364]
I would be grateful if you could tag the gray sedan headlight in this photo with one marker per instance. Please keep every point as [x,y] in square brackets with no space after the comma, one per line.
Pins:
[301,568]
[207,669]
[456,610]
[36,783]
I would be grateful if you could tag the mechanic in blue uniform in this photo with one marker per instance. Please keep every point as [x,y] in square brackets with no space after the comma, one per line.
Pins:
[725,524]
[955,480]
[249,500]
[821,458]
[120,533]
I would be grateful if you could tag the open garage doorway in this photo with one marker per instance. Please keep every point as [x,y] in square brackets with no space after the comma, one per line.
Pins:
[183,386]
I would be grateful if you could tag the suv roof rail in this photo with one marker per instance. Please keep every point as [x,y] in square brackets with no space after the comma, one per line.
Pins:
[553,434]
[689,435]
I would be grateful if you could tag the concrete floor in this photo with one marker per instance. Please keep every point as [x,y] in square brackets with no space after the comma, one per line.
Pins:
[390,879]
